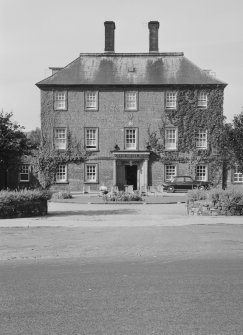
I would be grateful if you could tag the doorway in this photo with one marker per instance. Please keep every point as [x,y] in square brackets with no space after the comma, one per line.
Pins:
[131,175]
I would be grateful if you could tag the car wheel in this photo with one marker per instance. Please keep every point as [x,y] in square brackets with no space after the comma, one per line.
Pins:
[201,187]
[171,189]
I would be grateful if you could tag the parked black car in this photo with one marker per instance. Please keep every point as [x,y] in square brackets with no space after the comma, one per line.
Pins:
[184,183]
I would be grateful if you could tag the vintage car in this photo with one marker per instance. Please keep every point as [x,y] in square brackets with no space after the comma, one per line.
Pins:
[184,183]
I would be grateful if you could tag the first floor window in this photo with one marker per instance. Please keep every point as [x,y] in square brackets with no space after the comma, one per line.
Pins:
[170,100]
[60,138]
[91,138]
[237,175]
[24,174]
[170,139]
[91,100]
[170,171]
[61,174]
[131,100]
[202,100]
[202,172]
[131,138]
[60,100]
[201,139]
[91,173]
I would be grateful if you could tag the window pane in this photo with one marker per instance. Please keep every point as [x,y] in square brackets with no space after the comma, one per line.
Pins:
[131,100]
[201,172]
[60,138]
[91,173]
[201,139]
[91,100]
[91,138]
[170,171]
[170,138]
[202,99]
[60,100]
[61,175]
[130,139]
[171,100]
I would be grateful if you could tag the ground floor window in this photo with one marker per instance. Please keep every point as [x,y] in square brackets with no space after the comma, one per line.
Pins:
[202,172]
[170,171]
[61,175]
[237,175]
[91,173]
[24,174]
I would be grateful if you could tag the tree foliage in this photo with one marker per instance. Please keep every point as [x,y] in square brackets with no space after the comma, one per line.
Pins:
[13,141]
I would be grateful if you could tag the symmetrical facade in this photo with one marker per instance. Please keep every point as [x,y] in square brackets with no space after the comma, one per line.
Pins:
[111,103]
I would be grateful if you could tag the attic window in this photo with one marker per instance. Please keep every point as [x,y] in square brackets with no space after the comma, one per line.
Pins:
[131,69]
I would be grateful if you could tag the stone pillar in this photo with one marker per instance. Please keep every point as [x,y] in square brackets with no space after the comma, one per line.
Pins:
[114,173]
[146,173]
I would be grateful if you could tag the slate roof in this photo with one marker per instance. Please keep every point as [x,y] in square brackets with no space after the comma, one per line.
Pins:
[131,69]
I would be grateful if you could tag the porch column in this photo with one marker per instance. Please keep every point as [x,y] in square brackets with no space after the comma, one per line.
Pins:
[114,172]
[146,173]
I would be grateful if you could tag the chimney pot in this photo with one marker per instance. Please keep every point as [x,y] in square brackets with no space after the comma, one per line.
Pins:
[109,36]
[153,36]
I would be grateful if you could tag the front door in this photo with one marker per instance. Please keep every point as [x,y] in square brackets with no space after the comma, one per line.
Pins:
[131,175]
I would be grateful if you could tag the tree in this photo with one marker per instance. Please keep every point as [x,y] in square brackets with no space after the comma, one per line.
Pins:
[13,143]
[236,139]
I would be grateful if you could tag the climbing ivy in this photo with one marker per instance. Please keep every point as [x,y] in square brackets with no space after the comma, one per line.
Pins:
[188,118]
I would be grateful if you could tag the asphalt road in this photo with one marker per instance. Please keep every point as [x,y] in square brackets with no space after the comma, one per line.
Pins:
[122,280]
[193,296]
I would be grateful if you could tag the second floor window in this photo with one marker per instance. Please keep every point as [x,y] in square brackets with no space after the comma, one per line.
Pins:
[202,100]
[170,100]
[60,138]
[170,139]
[24,174]
[131,100]
[60,100]
[91,100]
[201,139]
[91,138]
[131,138]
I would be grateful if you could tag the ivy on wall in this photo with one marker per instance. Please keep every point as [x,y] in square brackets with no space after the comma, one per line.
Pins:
[188,118]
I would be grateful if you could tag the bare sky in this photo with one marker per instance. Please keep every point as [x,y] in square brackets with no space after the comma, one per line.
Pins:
[36,34]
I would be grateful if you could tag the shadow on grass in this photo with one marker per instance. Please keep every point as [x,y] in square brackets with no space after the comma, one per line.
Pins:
[93,213]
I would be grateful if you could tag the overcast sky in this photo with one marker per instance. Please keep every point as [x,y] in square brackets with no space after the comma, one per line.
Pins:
[36,34]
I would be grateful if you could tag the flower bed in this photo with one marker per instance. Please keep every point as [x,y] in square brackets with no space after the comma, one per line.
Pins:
[215,202]
[122,196]
[23,203]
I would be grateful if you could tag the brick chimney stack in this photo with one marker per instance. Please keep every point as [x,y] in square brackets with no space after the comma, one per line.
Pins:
[109,36]
[153,36]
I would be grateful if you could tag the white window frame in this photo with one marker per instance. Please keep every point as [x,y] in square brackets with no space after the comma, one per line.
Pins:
[24,171]
[237,176]
[91,100]
[131,138]
[131,100]
[168,174]
[171,100]
[202,172]
[91,173]
[171,142]
[61,174]
[60,142]
[202,100]
[91,138]
[60,100]
[201,139]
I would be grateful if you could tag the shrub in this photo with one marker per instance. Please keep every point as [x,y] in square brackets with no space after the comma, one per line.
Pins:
[62,195]
[18,196]
[122,196]
[196,195]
